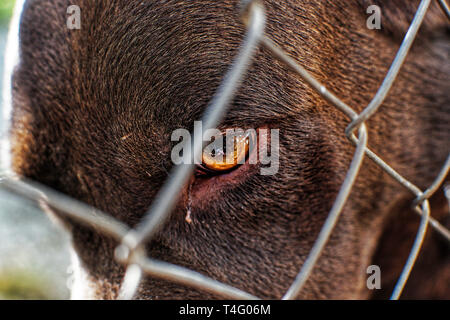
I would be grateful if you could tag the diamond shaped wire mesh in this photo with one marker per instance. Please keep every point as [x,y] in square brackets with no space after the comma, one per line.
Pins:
[131,251]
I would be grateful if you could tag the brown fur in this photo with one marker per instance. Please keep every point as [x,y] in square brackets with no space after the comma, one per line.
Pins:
[140,69]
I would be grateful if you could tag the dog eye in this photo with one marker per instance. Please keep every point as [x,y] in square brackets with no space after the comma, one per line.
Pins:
[218,158]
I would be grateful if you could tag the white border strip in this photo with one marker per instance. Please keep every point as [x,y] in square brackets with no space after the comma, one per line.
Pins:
[10,62]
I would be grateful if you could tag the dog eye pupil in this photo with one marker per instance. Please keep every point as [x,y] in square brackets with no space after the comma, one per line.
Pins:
[216,158]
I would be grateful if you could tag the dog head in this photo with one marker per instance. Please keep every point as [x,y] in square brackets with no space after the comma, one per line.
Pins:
[95,108]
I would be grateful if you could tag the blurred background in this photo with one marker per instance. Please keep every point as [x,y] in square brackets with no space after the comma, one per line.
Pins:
[34,255]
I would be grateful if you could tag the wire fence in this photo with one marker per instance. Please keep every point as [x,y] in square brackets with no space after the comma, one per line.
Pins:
[131,252]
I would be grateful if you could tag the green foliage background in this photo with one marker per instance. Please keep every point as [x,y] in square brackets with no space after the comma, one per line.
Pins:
[6,9]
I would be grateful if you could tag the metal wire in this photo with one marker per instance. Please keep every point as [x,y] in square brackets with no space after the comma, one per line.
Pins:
[420,237]
[168,196]
[107,225]
[170,272]
[436,184]
[445,7]
[332,219]
[393,70]
[72,208]
[130,252]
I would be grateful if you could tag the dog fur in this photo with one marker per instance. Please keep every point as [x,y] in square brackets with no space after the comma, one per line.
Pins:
[94,110]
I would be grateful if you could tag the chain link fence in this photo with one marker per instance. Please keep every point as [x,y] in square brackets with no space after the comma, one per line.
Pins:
[131,252]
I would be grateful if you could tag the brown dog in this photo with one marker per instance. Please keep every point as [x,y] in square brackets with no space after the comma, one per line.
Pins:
[94,110]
